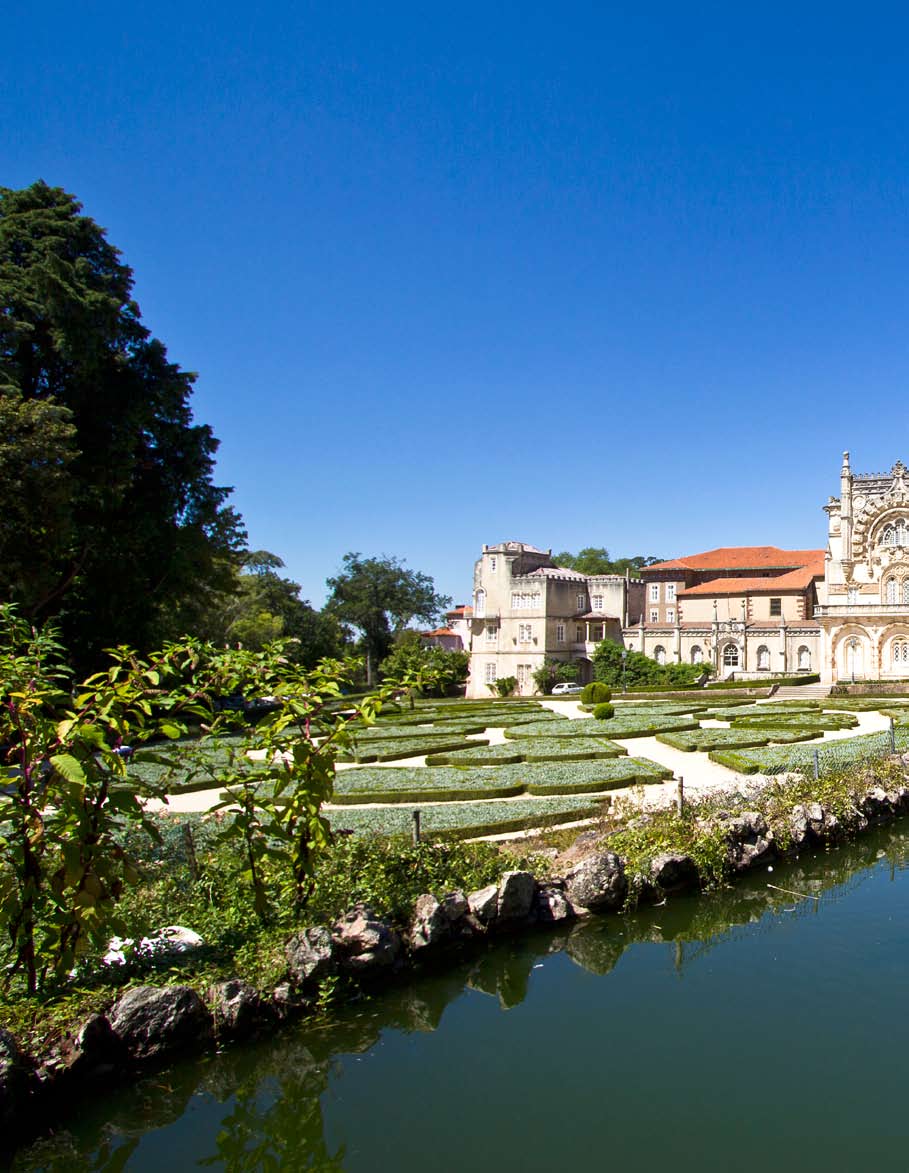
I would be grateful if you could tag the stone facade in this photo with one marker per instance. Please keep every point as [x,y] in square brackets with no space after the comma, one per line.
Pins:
[863,608]
[748,611]
[526,609]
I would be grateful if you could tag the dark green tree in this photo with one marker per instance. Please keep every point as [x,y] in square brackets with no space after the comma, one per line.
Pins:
[596,560]
[427,671]
[133,536]
[265,606]
[380,597]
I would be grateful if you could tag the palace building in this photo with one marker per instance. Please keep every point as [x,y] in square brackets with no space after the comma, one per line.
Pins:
[748,611]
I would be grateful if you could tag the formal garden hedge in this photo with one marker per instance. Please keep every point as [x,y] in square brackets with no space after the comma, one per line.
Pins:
[701,740]
[457,784]
[832,755]
[829,722]
[531,749]
[466,819]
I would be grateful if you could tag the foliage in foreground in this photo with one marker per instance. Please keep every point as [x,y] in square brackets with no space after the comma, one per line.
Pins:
[69,798]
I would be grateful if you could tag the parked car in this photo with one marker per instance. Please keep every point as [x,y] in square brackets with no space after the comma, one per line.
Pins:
[566,689]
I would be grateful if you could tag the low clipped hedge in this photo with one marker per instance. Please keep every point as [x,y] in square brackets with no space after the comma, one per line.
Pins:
[603,712]
[621,725]
[396,748]
[832,755]
[469,819]
[825,721]
[415,784]
[780,709]
[535,749]
[595,693]
[701,740]
[616,775]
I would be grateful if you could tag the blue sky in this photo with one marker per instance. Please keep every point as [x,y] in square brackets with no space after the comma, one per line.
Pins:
[577,274]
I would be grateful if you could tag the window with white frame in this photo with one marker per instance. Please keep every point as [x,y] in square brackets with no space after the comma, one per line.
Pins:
[670,592]
[670,614]
[899,652]
[596,632]
[560,633]
[490,677]
[763,658]
[578,634]
[516,601]
[525,633]
[492,632]
[892,587]
[479,604]
[582,602]
[654,592]
[596,602]
[654,615]
[906,590]
[896,533]
[659,654]
[731,656]
[776,607]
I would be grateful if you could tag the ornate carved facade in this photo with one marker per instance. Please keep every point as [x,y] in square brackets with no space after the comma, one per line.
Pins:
[863,603]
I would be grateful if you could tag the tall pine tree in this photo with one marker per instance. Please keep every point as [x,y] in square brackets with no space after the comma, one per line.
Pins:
[109,519]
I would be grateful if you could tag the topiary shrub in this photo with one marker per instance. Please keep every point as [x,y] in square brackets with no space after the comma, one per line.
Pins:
[603,712]
[596,693]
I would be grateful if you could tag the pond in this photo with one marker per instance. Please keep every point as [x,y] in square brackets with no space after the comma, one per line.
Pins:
[748,1029]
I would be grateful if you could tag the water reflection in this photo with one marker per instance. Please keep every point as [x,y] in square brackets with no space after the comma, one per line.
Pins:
[260,1107]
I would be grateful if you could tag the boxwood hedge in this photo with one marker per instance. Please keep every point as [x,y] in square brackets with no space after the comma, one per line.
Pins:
[700,740]
[468,819]
[532,749]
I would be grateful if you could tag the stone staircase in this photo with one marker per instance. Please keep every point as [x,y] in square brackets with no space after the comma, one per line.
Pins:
[802,692]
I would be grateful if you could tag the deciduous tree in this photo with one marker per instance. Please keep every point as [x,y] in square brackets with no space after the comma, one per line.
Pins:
[380,597]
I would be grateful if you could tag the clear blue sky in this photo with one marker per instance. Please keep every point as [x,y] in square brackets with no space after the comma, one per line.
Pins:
[578,274]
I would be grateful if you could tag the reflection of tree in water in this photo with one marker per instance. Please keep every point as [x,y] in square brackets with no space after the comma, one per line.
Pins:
[277,1124]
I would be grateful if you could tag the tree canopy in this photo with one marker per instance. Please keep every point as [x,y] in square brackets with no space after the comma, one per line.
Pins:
[106,482]
[380,597]
[264,606]
[596,560]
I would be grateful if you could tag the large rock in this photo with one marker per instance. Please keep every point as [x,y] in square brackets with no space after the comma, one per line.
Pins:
[749,841]
[484,904]
[670,871]
[153,1021]
[311,955]
[551,905]
[437,922]
[597,883]
[239,1009]
[516,893]
[364,942]
[809,824]
[877,806]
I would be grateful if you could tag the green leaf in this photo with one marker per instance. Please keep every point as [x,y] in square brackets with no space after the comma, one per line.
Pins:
[69,767]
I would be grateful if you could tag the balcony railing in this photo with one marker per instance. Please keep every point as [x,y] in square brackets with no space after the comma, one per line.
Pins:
[869,608]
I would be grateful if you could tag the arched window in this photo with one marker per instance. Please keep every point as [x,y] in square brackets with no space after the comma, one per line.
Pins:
[659,654]
[763,658]
[479,604]
[887,536]
[899,653]
[896,533]
[906,590]
[891,590]
[730,656]
[697,656]
[804,656]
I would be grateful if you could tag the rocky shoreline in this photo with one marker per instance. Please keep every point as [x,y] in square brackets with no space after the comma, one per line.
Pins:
[150,1025]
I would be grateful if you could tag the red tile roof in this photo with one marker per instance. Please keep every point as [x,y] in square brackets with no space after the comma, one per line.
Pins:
[439,631]
[795,580]
[743,558]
